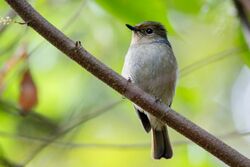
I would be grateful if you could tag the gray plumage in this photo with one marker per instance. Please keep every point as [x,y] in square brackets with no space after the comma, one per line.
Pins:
[151,65]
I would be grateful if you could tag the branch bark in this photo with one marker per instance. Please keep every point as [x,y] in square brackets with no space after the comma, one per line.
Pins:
[241,7]
[198,135]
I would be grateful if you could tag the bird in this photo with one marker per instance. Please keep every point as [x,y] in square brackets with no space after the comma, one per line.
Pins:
[151,65]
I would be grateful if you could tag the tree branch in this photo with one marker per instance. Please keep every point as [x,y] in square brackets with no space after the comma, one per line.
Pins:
[121,85]
[239,6]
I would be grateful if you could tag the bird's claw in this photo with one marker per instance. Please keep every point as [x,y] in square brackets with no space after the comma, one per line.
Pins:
[125,89]
[78,44]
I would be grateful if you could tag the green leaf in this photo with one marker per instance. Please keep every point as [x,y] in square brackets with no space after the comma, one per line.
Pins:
[134,12]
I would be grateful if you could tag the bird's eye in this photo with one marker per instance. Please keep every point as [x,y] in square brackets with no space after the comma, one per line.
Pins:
[149,31]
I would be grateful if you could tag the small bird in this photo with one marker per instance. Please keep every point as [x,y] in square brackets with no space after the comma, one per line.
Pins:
[151,65]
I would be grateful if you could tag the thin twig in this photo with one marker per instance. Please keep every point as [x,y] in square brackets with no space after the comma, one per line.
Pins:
[75,15]
[198,135]
[70,126]
[14,110]
[67,24]
[230,135]
[13,43]
[210,59]
[7,163]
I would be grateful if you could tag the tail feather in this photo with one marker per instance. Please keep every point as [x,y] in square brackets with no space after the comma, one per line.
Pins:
[161,146]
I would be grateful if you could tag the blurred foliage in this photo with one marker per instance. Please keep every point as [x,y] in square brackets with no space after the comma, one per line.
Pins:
[191,7]
[136,11]
[207,40]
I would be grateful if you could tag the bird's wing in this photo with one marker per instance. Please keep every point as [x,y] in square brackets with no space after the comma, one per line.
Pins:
[144,120]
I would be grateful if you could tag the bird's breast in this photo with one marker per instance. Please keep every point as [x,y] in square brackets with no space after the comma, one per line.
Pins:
[152,67]
[148,61]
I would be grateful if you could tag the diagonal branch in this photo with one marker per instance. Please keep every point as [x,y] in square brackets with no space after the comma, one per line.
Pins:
[201,137]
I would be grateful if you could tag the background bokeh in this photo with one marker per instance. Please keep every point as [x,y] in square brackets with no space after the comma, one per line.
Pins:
[79,121]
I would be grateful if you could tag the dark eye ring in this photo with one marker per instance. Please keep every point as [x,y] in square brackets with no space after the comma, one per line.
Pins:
[149,31]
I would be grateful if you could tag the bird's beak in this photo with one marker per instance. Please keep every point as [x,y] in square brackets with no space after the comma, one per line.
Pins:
[132,28]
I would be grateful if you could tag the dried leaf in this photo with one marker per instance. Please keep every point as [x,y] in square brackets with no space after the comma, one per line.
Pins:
[28,92]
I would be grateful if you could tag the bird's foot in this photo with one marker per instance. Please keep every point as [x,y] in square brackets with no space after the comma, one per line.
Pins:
[129,81]
[78,44]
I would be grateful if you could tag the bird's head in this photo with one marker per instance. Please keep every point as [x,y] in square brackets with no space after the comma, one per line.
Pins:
[147,32]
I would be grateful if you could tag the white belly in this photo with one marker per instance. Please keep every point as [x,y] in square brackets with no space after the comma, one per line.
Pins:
[153,68]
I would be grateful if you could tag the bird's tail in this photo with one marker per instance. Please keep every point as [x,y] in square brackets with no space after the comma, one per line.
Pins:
[161,146]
